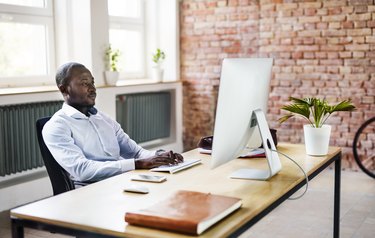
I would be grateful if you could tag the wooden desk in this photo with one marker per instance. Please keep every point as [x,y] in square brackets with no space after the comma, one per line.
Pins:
[99,209]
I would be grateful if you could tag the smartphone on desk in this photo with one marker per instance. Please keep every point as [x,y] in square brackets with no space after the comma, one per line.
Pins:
[149,178]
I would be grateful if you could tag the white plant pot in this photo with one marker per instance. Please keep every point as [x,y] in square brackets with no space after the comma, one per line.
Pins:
[317,139]
[157,74]
[111,77]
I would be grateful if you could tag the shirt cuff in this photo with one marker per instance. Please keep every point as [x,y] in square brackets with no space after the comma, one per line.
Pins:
[127,165]
[159,152]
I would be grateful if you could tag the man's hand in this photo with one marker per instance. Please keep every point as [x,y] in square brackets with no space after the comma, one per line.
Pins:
[166,158]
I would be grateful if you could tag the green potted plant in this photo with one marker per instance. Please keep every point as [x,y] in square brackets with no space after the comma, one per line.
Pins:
[112,56]
[157,71]
[315,112]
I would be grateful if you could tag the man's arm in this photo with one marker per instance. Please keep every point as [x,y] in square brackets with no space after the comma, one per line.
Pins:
[144,159]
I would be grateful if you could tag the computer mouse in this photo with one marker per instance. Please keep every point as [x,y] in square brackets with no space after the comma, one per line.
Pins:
[136,188]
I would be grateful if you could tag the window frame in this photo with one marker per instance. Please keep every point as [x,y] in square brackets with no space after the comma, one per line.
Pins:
[132,24]
[37,16]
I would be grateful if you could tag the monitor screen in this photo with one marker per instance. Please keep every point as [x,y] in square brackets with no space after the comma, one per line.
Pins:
[244,88]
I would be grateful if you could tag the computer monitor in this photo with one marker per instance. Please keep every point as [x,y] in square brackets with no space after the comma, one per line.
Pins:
[240,120]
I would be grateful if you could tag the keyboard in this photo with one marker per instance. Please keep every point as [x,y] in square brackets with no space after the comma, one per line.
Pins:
[187,163]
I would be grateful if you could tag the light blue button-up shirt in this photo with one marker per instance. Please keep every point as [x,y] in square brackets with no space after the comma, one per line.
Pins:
[90,148]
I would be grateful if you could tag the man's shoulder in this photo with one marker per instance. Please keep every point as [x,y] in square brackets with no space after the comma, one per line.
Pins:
[57,115]
[56,124]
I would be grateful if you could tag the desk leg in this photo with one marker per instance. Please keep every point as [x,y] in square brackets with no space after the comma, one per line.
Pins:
[17,230]
[336,211]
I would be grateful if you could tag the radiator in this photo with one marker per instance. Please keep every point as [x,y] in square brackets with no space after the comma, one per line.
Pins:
[19,149]
[145,116]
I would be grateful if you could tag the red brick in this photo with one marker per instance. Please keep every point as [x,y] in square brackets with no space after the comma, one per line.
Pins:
[371,8]
[332,3]
[222,3]
[319,83]
[353,47]
[331,77]
[331,47]
[370,39]
[348,25]
[322,12]
[359,32]
[330,33]
[356,70]
[358,54]
[345,69]
[347,9]
[334,25]
[343,84]
[332,55]
[320,41]
[305,48]
[345,54]
[352,77]
[333,18]
[333,69]
[361,9]
[307,62]
[309,33]
[310,12]
[309,19]
[310,76]
[297,12]
[320,55]
[315,5]
[309,55]
[286,6]
[371,24]
[360,24]
[359,17]
[321,25]
[297,55]
[334,10]
[368,99]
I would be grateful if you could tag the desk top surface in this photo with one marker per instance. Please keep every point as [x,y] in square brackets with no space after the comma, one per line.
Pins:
[101,207]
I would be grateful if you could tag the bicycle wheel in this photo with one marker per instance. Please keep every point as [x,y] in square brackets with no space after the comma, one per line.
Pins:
[363,147]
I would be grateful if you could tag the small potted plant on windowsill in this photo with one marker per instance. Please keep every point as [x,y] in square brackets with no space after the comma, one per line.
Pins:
[111,59]
[316,112]
[157,71]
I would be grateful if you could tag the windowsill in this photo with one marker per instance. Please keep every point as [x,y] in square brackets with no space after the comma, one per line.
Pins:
[53,88]
[130,82]
[24,90]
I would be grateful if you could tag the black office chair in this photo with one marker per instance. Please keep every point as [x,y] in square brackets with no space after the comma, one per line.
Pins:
[60,179]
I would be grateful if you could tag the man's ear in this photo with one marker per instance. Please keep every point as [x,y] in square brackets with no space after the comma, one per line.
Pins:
[63,89]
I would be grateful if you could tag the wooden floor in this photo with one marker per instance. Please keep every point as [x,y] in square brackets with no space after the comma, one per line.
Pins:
[310,216]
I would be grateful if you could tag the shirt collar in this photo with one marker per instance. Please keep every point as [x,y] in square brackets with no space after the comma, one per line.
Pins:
[72,112]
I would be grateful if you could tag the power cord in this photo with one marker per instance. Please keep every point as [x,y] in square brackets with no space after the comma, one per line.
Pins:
[306,177]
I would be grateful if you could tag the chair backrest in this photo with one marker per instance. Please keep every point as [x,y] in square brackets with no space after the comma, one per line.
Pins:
[60,179]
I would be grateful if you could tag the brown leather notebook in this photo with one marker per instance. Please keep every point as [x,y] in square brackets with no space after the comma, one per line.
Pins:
[185,212]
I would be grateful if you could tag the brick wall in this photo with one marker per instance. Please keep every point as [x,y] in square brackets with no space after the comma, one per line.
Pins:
[320,48]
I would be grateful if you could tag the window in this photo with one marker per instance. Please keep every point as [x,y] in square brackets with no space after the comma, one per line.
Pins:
[26,42]
[127,33]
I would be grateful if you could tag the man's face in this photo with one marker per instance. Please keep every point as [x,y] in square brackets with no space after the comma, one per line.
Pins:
[81,91]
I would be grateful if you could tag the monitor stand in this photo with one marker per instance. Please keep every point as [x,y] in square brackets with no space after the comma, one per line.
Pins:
[274,166]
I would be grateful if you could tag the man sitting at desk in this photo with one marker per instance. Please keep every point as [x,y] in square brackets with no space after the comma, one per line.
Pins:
[88,144]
